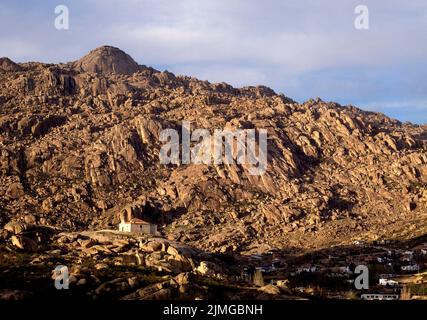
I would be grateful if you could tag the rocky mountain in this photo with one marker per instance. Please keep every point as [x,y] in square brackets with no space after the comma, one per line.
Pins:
[106,60]
[8,65]
[80,143]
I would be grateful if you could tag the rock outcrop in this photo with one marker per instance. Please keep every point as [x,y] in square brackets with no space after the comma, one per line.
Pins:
[8,65]
[106,60]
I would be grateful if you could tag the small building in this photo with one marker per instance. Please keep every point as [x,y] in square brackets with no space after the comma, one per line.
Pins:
[360,243]
[340,269]
[388,282]
[136,218]
[138,226]
[379,296]
[307,269]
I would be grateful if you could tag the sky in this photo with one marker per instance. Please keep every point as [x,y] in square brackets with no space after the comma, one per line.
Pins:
[301,48]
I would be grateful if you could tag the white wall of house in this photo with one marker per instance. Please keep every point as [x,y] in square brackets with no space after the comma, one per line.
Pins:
[125,227]
[138,228]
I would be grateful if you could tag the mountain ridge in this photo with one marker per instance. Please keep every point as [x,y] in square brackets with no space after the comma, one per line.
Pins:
[81,142]
[107,59]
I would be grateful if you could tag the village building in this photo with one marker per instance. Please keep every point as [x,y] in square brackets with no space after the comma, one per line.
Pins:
[306,268]
[379,296]
[360,243]
[138,226]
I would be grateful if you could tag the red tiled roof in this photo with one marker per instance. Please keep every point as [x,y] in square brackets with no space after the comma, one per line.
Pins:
[138,221]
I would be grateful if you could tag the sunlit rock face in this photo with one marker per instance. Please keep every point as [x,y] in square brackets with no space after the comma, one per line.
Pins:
[80,142]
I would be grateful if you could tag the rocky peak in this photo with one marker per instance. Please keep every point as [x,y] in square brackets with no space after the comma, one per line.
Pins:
[107,59]
[8,65]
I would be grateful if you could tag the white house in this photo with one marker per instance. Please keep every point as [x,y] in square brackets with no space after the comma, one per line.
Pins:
[306,269]
[388,282]
[379,296]
[138,226]
[360,243]
[341,269]
[130,220]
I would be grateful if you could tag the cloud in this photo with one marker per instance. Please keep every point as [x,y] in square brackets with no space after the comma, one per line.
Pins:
[19,49]
[303,48]
[209,33]
[419,105]
[404,110]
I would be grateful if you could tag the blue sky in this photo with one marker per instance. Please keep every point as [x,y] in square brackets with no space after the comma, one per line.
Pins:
[302,48]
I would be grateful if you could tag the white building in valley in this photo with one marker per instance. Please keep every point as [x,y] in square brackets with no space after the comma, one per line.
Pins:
[138,226]
[132,220]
